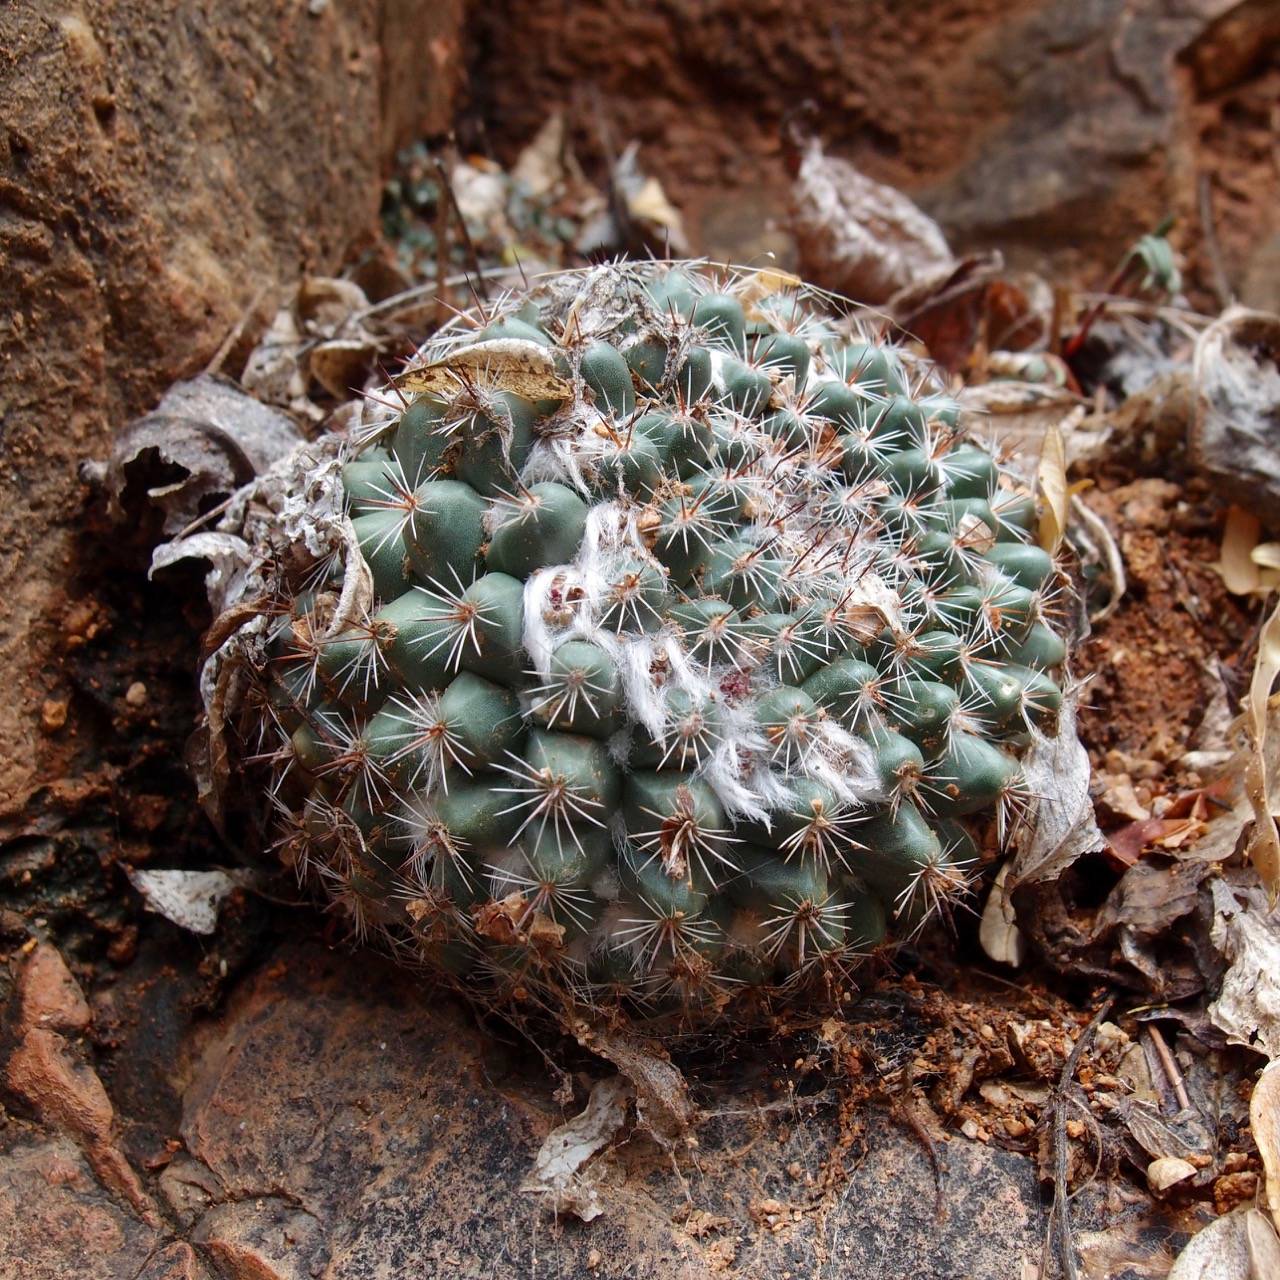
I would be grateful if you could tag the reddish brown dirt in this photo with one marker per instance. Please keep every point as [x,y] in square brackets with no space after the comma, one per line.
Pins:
[1149,663]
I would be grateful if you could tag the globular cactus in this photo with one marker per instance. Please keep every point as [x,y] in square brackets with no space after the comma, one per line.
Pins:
[689,649]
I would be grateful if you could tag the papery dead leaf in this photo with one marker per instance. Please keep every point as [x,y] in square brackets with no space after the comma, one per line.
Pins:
[502,364]
[538,168]
[1240,572]
[1093,538]
[1219,1252]
[1051,487]
[559,1175]
[190,899]
[341,365]
[1064,829]
[663,1106]
[1264,842]
[203,441]
[1237,411]
[763,284]
[325,304]
[998,930]
[1264,1246]
[1247,934]
[1264,1123]
[857,236]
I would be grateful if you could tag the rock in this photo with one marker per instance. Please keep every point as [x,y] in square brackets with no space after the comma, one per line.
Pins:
[165,174]
[352,1090]
[48,996]
[1053,130]
[57,1223]
[177,1261]
[69,1097]
[265,1238]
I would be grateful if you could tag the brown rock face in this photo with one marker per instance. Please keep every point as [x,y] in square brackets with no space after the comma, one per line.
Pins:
[163,167]
[1045,128]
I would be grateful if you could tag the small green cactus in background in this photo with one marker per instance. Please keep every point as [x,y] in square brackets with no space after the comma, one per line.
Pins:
[695,655]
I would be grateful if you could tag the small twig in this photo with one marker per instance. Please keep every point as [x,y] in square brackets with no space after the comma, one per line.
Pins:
[427,292]
[1221,285]
[1060,1213]
[237,329]
[473,258]
[1170,1066]
[903,1110]
[442,257]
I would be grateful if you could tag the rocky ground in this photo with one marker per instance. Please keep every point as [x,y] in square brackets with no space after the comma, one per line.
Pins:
[263,1102]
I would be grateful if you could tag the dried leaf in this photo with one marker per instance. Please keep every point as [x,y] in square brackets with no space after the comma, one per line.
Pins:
[1051,485]
[326,304]
[650,204]
[558,1174]
[648,218]
[188,898]
[1247,934]
[1264,1122]
[859,237]
[207,431]
[1225,1249]
[764,283]
[1094,539]
[1264,1246]
[1264,842]
[1167,1171]
[1236,565]
[538,168]
[1057,769]
[663,1106]
[1237,378]
[998,930]
[341,365]
[501,364]
[273,372]
[226,553]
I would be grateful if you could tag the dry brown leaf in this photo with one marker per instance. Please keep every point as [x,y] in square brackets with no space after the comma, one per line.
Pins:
[341,365]
[663,1105]
[764,283]
[1264,1246]
[1264,1122]
[1219,1252]
[539,168]
[1264,842]
[1051,486]
[502,364]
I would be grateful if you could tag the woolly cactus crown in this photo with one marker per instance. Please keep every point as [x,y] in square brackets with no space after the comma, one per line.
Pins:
[686,639]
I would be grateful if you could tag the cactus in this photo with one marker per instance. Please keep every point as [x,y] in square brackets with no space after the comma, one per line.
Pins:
[695,657]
